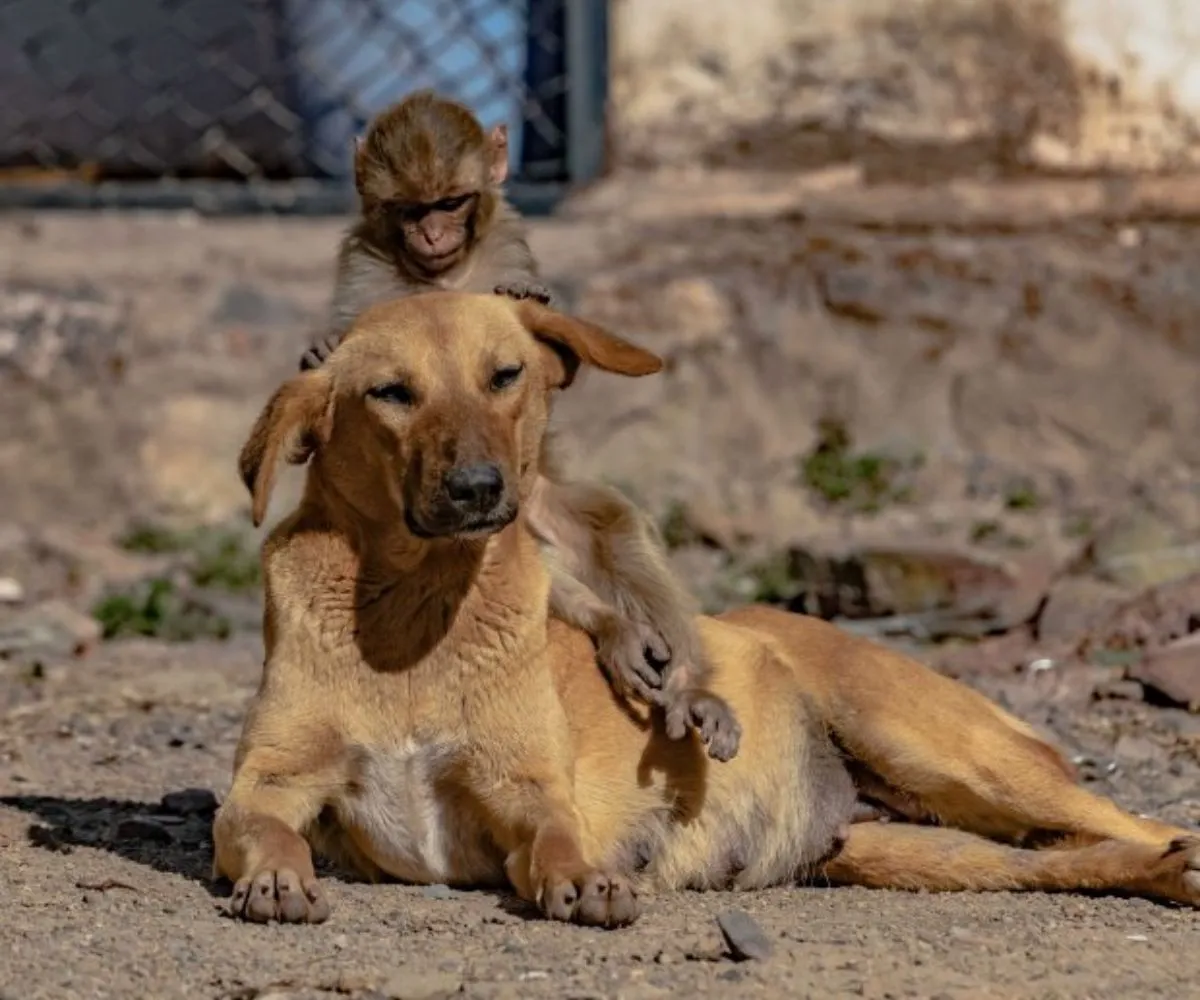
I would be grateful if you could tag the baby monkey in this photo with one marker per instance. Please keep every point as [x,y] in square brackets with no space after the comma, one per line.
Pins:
[433,215]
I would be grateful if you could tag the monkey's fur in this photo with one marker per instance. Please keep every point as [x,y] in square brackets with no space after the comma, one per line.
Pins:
[434,215]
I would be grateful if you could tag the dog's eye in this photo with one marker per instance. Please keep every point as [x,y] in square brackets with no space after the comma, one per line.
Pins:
[505,377]
[393,392]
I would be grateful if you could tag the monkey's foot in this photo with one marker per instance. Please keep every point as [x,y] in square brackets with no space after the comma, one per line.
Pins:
[710,716]
[525,290]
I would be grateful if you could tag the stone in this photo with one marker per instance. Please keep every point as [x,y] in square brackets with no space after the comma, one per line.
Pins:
[50,629]
[1155,618]
[1075,606]
[1137,750]
[1172,672]
[969,583]
[190,802]
[743,936]
[1120,691]
[11,591]
[1141,549]
[438,891]
[1000,654]
[414,984]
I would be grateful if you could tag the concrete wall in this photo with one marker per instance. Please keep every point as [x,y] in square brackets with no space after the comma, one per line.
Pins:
[1077,85]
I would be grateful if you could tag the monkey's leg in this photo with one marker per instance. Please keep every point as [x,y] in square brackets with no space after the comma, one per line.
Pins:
[934,859]
[625,649]
[612,550]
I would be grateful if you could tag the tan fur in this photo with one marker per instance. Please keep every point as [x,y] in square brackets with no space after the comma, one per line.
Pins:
[611,577]
[419,713]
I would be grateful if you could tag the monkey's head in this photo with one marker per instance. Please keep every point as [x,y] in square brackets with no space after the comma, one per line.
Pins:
[430,414]
[428,176]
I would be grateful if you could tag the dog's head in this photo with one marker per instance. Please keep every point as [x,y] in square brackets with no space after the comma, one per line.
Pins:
[431,412]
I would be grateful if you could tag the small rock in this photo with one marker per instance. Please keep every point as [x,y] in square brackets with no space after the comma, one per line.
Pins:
[1001,654]
[49,629]
[1120,690]
[1137,750]
[190,802]
[438,891]
[970,584]
[416,985]
[743,936]
[1154,618]
[1172,672]
[11,591]
[144,828]
[1141,549]
[1075,606]
[1184,725]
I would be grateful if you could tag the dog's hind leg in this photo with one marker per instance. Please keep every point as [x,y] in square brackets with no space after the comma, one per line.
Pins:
[943,748]
[935,859]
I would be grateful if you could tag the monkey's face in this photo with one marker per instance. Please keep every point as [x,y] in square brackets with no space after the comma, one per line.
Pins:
[430,414]
[436,235]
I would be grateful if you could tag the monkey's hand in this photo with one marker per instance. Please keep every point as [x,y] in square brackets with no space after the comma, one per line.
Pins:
[316,355]
[709,715]
[634,656]
[525,290]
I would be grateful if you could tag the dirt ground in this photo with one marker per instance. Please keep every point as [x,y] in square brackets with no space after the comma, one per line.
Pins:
[134,352]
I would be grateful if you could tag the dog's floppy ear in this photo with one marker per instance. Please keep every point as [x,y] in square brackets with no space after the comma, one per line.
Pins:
[572,341]
[293,422]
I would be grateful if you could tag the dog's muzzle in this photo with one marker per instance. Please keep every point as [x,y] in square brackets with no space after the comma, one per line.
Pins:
[473,500]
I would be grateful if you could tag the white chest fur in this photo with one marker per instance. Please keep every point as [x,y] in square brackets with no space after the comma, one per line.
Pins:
[408,818]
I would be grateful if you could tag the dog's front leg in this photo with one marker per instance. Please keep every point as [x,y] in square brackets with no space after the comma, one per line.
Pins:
[258,842]
[534,820]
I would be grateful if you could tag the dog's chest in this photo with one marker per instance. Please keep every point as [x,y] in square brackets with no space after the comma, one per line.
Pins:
[412,819]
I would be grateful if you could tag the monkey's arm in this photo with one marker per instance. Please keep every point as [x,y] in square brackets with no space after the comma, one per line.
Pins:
[631,654]
[361,280]
[618,572]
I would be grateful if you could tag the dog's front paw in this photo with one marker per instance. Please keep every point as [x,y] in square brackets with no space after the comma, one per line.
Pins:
[710,716]
[279,894]
[634,657]
[594,899]
[525,290]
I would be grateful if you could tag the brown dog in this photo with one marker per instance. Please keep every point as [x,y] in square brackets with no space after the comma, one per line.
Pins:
[419,718]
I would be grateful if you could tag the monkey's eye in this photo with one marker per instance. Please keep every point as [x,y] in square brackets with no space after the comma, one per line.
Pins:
[506,377]
[404,212]
[451,204]
[393,392]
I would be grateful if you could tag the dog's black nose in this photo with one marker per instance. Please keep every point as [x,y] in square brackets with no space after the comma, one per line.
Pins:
[475,487]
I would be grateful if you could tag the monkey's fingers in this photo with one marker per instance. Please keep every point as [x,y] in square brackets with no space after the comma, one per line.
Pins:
[524,290]
[318,354]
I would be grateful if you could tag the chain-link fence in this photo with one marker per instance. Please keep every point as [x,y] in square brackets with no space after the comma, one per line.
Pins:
[271,90]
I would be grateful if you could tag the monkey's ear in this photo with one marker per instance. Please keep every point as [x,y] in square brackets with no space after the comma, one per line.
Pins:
[498,147]
[571,341]
[297,418]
